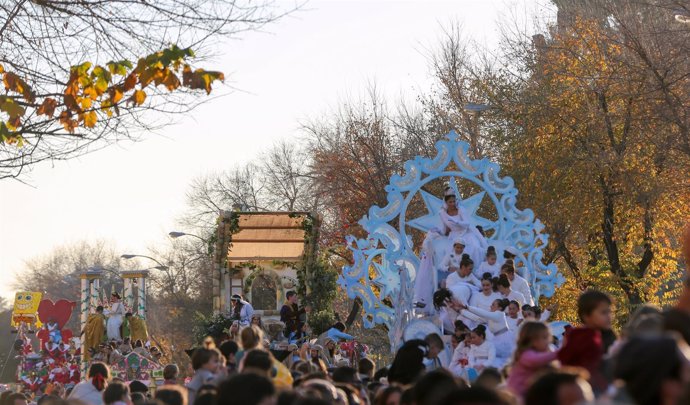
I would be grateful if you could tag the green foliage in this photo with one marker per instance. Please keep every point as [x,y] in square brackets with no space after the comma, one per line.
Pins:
[321,281]
[215,326]
[317,280]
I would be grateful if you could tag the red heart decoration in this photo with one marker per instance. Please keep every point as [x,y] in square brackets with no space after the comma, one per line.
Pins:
[61,311]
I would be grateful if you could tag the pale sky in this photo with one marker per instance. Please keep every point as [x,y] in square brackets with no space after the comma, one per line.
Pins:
[299,68]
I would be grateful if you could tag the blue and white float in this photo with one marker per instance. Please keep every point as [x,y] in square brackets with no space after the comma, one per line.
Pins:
[386,261]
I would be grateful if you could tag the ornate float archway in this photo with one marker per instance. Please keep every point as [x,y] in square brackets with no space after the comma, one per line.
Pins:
[387,257]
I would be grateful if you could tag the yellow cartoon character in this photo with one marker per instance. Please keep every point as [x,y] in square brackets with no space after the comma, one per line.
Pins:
[26,308]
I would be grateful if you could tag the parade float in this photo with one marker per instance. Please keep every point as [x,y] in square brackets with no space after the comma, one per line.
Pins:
[50,353]
[387,261]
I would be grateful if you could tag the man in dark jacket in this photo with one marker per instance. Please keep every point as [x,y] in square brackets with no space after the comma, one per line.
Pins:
[293,316]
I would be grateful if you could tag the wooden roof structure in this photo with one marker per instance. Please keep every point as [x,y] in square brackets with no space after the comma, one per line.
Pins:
[266,236]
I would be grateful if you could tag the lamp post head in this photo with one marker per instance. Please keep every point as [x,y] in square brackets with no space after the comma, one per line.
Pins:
[175,234]
[161,267]
[127,256]
[474,108]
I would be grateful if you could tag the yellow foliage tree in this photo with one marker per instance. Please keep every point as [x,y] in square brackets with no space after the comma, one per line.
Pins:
[589,160]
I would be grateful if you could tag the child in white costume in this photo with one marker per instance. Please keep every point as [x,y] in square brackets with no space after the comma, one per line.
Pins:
[482,353]
[451,261]
[490,265]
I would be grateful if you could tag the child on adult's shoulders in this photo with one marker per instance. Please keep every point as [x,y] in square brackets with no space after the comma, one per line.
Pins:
[586,346]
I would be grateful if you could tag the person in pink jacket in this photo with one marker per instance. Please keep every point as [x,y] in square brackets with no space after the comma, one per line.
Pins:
[532,356]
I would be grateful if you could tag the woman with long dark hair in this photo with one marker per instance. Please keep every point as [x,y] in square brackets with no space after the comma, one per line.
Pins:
[408,363]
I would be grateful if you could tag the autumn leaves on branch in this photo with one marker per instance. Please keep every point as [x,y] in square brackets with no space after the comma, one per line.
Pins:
[94,93]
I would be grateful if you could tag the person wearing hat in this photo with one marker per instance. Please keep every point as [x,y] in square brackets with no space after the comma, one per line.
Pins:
[242,311]
[115,314]
[509,253]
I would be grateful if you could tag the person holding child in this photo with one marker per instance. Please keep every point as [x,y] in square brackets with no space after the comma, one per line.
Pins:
[503,337]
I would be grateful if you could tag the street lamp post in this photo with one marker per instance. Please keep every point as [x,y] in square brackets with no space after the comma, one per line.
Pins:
[176,234]
[216,278]
[160,266]
[475,110]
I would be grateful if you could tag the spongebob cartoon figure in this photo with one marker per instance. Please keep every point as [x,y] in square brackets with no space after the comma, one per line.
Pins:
[26,308]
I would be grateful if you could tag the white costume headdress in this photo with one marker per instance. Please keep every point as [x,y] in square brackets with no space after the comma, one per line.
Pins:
[460,241]
[447,192]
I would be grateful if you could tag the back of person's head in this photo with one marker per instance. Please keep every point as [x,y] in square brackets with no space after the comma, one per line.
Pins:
[4,395]
[383,396]
[203,355]
[652,324]
[138,398]
[550,387]
[646,364]
[14,397]
[171,372]
[116,392]
[408,363]
[245,389]
[508,267]
[318,388]
[138,343]
[589,301]
[433,386]
[381,373]
[257,360]
[99,374]
[47,400]
[440,297]
[228,348]
[503,281]
[366,366]
[339,326]
[172,395]
[207,397]
[460,325]
[489,378]
[251,337]
[138,386]
[346,375]
[434,340]
[466,260]
[472,396]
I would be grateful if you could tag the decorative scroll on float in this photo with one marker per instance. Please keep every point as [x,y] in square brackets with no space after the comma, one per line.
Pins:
[388,251]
